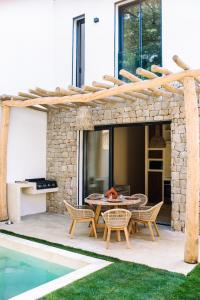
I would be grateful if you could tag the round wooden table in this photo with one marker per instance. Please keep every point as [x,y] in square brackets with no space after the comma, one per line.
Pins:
[103,202]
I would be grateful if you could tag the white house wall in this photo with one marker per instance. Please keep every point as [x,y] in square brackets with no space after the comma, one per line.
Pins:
[26,60]
[180,23]
[99,38]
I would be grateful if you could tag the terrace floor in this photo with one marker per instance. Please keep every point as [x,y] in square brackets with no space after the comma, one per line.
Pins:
[164,253]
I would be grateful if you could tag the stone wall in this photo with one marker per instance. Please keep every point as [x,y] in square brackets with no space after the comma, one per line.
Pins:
[62,147]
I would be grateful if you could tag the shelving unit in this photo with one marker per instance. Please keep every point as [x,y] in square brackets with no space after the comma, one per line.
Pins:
[157,164]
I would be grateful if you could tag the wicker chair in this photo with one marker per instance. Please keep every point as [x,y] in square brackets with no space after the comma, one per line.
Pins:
[146,215]
[80,214]
[143,201]
[116,220]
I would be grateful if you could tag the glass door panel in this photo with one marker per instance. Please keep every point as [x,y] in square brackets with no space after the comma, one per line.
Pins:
[96,161]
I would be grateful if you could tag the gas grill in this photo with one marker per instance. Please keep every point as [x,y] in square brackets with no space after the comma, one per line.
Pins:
[42,183]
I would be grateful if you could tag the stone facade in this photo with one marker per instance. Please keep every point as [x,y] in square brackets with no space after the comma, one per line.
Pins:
[62,147]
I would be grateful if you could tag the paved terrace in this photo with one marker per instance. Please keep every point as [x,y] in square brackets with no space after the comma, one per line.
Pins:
[165,253]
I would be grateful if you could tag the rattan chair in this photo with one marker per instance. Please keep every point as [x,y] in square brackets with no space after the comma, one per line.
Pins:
[116,220]
[80,214]
[146,215]
[143,201]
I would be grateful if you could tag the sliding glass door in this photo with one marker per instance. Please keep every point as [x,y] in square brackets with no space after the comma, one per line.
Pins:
[97,173]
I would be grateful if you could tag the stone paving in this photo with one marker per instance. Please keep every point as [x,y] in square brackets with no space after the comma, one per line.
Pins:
[165,253]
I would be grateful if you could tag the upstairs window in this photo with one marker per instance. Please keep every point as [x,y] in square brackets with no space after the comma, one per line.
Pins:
[78,76]
[139,35]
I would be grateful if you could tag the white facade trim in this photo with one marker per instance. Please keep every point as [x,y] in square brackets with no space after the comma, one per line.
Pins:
[80,167]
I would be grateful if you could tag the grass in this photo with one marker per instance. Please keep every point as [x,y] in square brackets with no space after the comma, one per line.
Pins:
[125,280]
[190,288]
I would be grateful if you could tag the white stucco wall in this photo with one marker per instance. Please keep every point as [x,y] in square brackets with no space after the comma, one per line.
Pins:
[27,144]
[99,38]
[180,31]
[26,52]
[26,60]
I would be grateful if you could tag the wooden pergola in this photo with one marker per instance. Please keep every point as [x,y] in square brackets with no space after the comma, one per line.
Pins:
[185,83]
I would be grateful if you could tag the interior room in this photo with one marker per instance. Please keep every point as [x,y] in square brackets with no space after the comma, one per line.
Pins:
[142,164]
[134,159]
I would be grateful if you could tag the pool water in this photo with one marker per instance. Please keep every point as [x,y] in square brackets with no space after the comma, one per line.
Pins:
[20,272]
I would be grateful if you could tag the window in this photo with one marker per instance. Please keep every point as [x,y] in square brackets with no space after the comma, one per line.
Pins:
[139,35]
[79,51]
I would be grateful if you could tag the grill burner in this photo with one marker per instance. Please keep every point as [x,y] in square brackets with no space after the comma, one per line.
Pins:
[42,183]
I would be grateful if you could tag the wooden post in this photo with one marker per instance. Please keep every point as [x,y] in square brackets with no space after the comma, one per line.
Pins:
[192,187]
[3,161]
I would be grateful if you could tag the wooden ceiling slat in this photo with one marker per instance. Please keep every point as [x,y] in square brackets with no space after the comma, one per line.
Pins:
[181,64]
[160,70]
[133,78]
[150,75]
[64,92]
[102,85]
[46,92]
[119,82]
[75,89]
[27,95]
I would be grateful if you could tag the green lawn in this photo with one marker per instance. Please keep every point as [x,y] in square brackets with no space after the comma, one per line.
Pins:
[124,280]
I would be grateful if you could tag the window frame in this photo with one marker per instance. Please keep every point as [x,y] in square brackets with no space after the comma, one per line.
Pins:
[76,21]
[118,5]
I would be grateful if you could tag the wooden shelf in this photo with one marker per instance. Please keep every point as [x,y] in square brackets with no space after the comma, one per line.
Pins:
[156,159]
[155,170]
[161,149]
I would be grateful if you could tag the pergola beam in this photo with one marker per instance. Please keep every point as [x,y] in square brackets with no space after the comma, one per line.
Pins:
[160,70]
[129,87]
[118,82]
[150,75]
[3,161]
[133,78]
[181,64]
[192,188]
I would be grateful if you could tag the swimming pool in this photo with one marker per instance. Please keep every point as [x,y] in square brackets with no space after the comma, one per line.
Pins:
[20,272]
[30,270]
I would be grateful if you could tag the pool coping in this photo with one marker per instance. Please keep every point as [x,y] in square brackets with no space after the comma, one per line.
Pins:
[84,265]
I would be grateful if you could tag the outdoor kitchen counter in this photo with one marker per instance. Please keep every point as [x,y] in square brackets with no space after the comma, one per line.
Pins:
[25,199]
